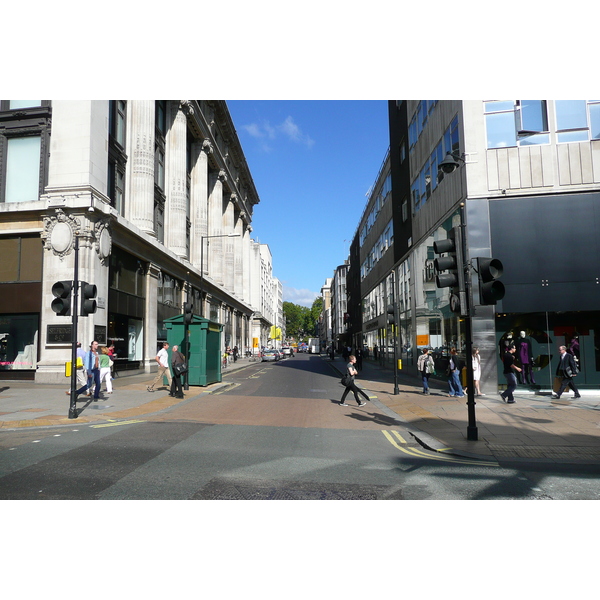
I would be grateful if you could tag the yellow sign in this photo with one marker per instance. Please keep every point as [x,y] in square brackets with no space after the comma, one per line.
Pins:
[423,340]
[255,342]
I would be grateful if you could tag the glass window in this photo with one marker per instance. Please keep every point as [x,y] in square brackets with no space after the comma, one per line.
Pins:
[534,116]
[30,263]
[570,114]
[501,130]
[13,104]
[9,265]
[595,121]
[23,169]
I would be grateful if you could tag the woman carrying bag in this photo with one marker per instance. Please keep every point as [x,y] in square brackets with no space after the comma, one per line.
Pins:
[179,368]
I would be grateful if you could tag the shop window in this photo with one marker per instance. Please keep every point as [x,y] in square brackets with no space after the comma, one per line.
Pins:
[18,342]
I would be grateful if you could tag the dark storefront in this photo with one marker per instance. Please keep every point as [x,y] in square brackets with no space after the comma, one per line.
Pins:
[550,251]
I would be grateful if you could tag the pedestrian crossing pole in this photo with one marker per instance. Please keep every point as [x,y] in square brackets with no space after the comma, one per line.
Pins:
[466,310]
[74,312]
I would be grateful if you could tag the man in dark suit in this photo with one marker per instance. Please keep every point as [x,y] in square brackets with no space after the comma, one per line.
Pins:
[567,370]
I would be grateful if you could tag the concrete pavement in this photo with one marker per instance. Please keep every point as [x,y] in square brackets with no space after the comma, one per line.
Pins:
[27,404]
[536,427]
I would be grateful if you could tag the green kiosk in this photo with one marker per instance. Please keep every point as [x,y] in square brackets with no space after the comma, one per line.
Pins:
[204,353]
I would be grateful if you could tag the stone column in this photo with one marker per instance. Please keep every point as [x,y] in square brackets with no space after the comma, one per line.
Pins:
[238,266]
[139,205]
[247,264]
[151,317]
[199,199]
[176,205]
[229,243]
[214,247]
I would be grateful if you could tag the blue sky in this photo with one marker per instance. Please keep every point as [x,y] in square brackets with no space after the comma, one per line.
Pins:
[313,163]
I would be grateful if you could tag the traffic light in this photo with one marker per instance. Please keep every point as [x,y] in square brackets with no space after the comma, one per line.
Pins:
[390,314]
[491,290]
[88,298]
[188,312]
[449,269]
[61,304]
[446,263]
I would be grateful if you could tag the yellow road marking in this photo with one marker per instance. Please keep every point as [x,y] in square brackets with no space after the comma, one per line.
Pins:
[444,458]
[117,423]
[402,440]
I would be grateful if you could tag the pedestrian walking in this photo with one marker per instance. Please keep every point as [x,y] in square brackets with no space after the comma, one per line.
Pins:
[477,371]
[176,359]
[82,379]
[235,354]
[510,371]
[162,358]
[351,386]
[566,370]
[105,367]
[455,367]
[426,367]
[359,357]
[92,366]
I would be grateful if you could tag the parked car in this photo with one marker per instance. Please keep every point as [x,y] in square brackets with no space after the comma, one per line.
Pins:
[270,355]
[287,351]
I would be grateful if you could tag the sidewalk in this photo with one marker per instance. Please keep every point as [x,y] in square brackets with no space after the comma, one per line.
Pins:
[535,427]
[27,404]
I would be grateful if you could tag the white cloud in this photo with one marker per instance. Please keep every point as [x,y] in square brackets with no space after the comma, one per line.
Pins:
[289,128]
[265,131]
[301,297]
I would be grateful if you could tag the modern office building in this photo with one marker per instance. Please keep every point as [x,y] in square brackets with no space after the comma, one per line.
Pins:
[524,188]
[151,201]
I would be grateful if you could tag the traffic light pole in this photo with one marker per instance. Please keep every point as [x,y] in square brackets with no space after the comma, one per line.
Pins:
[73,402]
[466,312]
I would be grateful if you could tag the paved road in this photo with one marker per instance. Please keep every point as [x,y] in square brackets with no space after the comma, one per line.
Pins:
[276,432]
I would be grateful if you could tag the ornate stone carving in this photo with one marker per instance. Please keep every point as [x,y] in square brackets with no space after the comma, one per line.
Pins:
[103,240]
[222,176]
[207,146]
[59,233]
[186,107]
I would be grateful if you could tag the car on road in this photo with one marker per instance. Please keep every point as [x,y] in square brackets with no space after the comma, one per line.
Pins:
[287,351]
[270,355]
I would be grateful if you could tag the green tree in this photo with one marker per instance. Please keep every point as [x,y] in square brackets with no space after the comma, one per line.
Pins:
[296,318]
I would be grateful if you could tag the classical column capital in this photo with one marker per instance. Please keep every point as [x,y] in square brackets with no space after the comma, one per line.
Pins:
[207,146]
[222,176]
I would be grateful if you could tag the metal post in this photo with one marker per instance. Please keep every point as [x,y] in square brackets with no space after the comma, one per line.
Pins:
[396,390]
[186,385]
[73,403]
[472,426]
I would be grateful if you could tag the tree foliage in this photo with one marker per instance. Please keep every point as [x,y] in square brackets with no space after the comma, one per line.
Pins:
[300,320]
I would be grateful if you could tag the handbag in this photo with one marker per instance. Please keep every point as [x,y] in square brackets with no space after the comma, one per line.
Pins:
[347,380]
[180,369]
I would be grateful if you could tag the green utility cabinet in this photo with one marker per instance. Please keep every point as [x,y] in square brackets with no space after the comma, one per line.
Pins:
[204,353]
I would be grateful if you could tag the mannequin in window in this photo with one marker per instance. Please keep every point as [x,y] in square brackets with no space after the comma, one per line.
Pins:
[505,343]
[573,349]
[525,357]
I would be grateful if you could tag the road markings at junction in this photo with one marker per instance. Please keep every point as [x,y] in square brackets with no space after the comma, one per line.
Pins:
[421,454]
[117,423]
[230,387]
